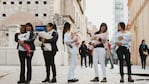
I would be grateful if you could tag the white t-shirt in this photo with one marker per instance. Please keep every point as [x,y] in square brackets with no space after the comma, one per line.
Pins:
[126,38]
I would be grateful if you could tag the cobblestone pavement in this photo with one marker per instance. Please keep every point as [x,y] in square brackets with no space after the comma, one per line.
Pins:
[10,75]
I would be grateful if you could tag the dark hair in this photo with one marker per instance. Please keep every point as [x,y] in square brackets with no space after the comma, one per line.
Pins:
[90,43]
[29,25]
[66,28]
[50,25]
[54,26]
[102,24]
[83,42]
[23,26]
[142,41]
[122,24]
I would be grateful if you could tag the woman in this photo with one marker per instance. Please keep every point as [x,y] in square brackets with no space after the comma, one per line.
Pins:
[99,52]
[143,50]
[72,51]
[23,53]
[122,40]
[49,54]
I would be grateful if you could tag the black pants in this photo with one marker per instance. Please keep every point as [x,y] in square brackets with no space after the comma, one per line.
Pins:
[49,61]
[22,57]
[83,56]
[90,60]
[143,61]
[123,51]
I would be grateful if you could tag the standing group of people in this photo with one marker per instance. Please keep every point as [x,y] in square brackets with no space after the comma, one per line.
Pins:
[121,43]
[97,50]
[26,47]
[85,51]
[99,47]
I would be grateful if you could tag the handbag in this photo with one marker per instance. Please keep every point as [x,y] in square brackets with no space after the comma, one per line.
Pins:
[145,53]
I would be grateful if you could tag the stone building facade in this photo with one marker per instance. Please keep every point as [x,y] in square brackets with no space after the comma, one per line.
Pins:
[138,25]
[39,12]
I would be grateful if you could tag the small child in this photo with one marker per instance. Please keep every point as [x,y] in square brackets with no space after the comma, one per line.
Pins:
[46,35]
[23,37]
[75,37]
[97,39]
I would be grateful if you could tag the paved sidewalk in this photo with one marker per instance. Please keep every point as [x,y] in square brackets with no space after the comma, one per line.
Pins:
[10,75]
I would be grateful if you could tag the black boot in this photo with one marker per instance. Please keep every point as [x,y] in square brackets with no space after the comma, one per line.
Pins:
[20,82]
[46,80]
[122,79]
[27,82]
[53,80]
[130,79]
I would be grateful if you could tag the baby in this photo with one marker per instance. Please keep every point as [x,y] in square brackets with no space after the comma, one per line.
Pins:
[75,37]
[23,37]
[99,38]
[47,46]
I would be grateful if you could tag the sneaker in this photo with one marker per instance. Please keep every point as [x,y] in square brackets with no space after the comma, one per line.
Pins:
[104,80]
[73,80]
[96,79]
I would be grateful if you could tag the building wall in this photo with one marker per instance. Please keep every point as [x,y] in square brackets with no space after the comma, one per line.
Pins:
[38,12]
[58,11]
[139,23]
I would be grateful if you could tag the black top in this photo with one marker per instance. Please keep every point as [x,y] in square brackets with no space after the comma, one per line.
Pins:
[143,47]
[16,39]
[101,44]
[83,49]
[53,41]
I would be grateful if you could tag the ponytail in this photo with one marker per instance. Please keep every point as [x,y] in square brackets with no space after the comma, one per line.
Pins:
[65,29]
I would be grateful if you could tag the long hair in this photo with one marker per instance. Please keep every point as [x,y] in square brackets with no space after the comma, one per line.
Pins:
[122,24]
[29,25]
[55,27]
[65,29]
[102,24]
